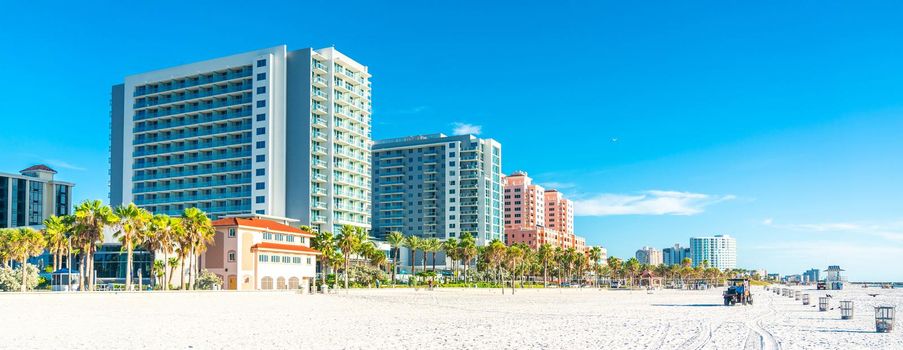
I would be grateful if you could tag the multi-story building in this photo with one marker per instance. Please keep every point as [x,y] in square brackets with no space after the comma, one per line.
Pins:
[675,255]
[250,253]
[269,132]
[437,186]
[31,196]
[812,275]
[719,251]
[649,256]
[535,215]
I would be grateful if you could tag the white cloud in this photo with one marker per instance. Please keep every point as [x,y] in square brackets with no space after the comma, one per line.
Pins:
[647,203]
[889,231]
[412,110]
[464,129]
[62,164]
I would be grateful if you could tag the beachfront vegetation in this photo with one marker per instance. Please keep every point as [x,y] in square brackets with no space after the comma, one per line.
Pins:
[75,239]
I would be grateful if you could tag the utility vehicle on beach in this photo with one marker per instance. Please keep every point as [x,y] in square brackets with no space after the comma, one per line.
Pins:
[738,291]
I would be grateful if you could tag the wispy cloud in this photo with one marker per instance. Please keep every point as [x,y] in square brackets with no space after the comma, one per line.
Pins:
[465,128]
[412,110]
[558,185]
[647,203]
[56,163]
[889,231]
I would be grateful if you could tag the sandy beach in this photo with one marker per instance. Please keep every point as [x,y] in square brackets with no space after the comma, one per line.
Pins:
[445,318]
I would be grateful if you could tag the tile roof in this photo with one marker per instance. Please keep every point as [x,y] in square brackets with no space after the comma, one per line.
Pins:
[280,246]
[39,167]
[259,223]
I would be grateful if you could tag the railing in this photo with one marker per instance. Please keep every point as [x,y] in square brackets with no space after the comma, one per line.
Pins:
[212,170]
[144,90]
[244,85]
[189,185]
[144,114]
[191,147]
[219,156]
[244,126]
[175,199]
[245,112]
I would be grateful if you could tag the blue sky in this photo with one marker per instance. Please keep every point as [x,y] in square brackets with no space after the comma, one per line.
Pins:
[778,123]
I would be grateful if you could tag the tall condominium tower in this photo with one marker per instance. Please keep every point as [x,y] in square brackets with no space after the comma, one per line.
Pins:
[272,131]
[32,195]
[720,251]
[536,216]
[438,186]
[675,255]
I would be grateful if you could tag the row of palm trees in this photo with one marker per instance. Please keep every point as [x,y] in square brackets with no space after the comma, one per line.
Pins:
[520,263]
[80,235]
[351,246]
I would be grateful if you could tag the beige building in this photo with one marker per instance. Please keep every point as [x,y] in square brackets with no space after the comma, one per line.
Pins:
[254,253]
[650,256]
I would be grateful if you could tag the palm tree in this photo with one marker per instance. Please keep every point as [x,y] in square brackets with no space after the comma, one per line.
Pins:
[633,267]
[348,242]
[495,255]
[513,256]
[395,239]
[133,224]
[6,236]
[56,232]
[450,248]
[325,243]
[433,246]
[595,254]
[614,265]
[26,243]
[468,251]
[160,238]
[545,255]
[91,218]
[173,262]
[198,231]
[413,243]
[336,261]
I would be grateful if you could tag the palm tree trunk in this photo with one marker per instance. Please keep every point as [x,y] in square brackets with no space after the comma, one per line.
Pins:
[412,267]
[347,256]
[81,272]
[128,263]
[434,261]
[545,271]
[182,272]
[22,268]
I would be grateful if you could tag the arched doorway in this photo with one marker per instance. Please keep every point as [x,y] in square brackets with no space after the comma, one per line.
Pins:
[266,283]
[280,283]
[293,283]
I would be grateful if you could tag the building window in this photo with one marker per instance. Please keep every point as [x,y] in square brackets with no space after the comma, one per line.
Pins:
[260,186]
[261,158]
[231,232]
[261,76]
[263,258]
[261,89]
[261,144]
[261,104]
[261,172]
[267,235]
[231,256]
[261,131]
[259,199]
[261,117]
[261,63]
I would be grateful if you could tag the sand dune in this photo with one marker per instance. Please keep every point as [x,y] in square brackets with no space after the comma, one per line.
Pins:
[445,318]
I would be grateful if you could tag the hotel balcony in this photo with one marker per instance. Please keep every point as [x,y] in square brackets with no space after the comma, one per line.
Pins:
[207,146]
[203,119]
[186,160]
[245,180]
[204,79]
[234,128]
[187,173]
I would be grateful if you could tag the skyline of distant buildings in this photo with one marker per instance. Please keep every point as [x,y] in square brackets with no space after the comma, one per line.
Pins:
[536,216]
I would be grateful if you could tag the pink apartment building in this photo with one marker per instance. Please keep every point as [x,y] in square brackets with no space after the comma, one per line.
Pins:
[534,215]
[256,253]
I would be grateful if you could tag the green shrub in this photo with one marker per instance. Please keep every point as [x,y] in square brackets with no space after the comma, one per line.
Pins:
[207,280]
[11,280]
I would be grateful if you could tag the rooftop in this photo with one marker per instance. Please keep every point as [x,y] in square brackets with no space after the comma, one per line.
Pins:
[259,223]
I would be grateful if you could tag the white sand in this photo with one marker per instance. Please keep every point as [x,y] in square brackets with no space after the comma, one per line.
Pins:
[453,318]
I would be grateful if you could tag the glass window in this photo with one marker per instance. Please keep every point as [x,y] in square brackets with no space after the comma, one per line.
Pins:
[261,131]
[261,158]
[260,172]
[261,89]
[261,76]
[261,103]
[260,186]
[231,256]
[261,144]
[261,117]
[259,199]
[232,232]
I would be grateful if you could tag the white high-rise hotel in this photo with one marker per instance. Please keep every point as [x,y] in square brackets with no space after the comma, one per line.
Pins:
[720,251]
[272,131]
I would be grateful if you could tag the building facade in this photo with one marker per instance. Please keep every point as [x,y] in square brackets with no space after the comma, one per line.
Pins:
[255,253]
[649,256]
[720,251]
[675,255]
[812,275]
[31,196]
[267,132]
[437,186]
[535,216]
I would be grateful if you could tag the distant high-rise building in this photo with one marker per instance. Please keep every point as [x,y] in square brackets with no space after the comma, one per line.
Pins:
[719,251]
[675,255]
[649,256]
[269,132]
[438,186]
[31,196]
[812,275]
